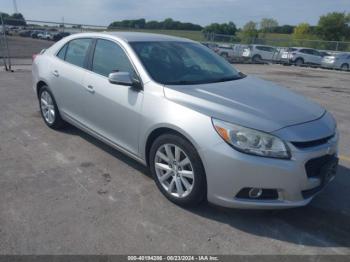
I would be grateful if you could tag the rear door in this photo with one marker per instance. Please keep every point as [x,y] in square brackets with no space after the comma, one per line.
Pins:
[111,110]
[306,55]
[67,72]
[316,57]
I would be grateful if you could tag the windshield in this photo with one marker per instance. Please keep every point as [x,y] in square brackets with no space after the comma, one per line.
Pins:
[183,63]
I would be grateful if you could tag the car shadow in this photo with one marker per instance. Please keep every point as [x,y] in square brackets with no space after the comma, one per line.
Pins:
[325,222]
[71,130]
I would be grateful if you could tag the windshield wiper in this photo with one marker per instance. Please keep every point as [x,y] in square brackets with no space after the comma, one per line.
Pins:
[208,81]
[231,78]
[183,82]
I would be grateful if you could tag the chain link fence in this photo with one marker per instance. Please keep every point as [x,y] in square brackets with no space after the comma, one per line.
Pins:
[339,46]
[18,42]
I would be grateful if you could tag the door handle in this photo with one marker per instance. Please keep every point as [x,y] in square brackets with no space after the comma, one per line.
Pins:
[55,73]
[90,89]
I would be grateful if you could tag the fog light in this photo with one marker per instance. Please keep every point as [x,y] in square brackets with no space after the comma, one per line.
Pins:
[255,192]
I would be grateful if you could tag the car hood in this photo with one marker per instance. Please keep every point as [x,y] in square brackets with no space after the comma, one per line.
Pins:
[250,102]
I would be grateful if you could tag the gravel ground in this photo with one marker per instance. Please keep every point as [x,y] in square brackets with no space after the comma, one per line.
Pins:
[67,193]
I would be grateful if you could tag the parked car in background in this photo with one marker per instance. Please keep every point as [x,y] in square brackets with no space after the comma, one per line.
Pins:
[338,61]
[46,36]
[324,53]
[259,53]
[212,46]
[226,51]
[2,31]
[35,33]
[302,56]
[215,134]
[25,33]
[59,36]
[277,57]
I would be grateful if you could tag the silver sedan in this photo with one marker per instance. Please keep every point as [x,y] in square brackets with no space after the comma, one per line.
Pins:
[338,61]
[205,130]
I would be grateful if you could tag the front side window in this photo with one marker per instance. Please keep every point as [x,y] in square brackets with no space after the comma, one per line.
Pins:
[183,63]
[316,53]
[77,51]
[110,57]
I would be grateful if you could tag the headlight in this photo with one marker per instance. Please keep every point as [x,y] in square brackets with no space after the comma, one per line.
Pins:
[251,141]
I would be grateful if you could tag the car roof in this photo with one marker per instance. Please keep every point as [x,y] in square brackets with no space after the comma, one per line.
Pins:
[135,36]
[262,45]
[308,48]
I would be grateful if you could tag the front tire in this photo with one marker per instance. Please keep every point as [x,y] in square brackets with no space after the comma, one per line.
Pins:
[299,62]
[49,110]
[257,59]
[177,170]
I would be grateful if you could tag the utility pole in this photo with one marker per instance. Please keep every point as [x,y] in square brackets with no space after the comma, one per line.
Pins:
[15,9]
[62,23]
[2,37]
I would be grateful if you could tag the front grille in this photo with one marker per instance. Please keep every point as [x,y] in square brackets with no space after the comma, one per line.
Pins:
[312,143]
[314,166]
[324,168]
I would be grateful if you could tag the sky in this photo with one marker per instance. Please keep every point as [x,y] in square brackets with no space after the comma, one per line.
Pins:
[203,12]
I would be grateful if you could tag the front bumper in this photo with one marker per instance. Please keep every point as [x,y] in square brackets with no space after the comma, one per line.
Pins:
[229,171]
[329,65]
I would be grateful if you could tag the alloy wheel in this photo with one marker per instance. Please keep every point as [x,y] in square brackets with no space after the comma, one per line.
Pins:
[47,107]
[174,170]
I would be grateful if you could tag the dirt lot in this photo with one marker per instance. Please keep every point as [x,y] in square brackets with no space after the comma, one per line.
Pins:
[67,193]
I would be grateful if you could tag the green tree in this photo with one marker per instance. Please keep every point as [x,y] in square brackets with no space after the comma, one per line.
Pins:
[334,26]
[14,19]
[249,31]
[301,31]
[225,28]
[166,24]
[267,25]
[284,29]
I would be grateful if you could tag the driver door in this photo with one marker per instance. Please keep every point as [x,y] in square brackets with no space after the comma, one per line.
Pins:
[111,110]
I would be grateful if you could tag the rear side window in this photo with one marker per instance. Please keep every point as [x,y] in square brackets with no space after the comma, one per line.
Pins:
[271,49]
[62,53]
[110,57]
[305,51]
[77,51]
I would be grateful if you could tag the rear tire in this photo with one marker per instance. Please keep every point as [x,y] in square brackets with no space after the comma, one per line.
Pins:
[344,67]
[49,110]
[179,176]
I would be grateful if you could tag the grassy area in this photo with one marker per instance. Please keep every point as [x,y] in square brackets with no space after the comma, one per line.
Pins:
[194,35]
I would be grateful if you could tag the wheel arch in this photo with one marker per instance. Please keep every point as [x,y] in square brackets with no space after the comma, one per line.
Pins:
[299,58]
[160,130]
[257,56]
[39,85]
[346,64]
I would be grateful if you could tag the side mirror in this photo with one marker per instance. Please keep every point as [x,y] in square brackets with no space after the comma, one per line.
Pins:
[120,78]
[125,79]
